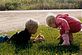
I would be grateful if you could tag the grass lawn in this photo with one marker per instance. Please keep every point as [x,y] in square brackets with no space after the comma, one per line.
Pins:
[48,47]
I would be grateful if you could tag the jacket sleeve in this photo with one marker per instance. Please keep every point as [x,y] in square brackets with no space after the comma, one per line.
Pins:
[63,24]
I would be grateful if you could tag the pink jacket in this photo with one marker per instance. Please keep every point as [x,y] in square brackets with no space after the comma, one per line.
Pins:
[68,23]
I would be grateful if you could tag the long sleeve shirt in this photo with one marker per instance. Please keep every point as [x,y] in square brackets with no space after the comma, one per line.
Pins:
[68,23]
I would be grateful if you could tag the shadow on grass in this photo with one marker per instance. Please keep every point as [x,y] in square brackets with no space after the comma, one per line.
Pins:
[21,47]
[52,48]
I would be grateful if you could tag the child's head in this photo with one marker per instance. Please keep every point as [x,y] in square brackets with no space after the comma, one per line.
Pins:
[31,26]
[50,20]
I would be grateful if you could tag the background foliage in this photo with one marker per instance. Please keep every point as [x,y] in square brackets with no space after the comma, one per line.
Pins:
[39,4]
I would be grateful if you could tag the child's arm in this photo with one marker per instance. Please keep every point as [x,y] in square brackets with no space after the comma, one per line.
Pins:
[64,26]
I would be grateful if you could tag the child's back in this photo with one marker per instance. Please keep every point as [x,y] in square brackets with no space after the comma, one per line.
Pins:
[21,37]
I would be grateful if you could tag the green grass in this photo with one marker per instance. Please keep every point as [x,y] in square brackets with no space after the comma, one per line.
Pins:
[48,47]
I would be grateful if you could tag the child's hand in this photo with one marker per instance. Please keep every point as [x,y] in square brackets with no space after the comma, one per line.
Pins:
[66,32]
[39,38]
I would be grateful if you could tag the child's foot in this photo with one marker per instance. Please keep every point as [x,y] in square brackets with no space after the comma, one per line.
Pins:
[66,43]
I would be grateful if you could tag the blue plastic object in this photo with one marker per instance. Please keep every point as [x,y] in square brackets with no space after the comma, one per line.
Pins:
[3,38]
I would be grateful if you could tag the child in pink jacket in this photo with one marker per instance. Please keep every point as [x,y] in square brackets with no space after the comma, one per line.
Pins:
[66,24]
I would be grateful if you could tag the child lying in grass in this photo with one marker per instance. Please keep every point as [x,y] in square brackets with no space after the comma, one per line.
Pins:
[66,24]
[24,36]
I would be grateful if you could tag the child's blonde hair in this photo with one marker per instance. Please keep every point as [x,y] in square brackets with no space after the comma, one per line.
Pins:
[31,24]
[50,18]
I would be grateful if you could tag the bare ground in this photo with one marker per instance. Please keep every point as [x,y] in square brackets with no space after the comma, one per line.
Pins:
[13,20]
